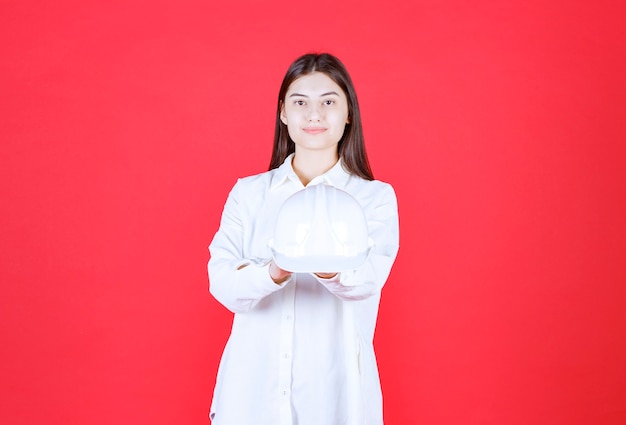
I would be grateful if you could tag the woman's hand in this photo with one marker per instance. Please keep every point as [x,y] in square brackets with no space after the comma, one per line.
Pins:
[277,274]
[325,275]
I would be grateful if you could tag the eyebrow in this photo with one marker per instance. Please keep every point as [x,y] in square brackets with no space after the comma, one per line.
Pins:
[322,95]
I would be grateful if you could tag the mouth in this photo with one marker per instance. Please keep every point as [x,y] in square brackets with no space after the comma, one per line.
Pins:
[314,130]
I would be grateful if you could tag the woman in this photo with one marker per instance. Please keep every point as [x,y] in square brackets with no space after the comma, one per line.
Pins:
[300,349]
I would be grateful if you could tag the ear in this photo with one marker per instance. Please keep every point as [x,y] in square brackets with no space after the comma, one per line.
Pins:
[283,117]
[348,120]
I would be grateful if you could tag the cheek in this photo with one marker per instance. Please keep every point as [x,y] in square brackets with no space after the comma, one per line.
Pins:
[293,118]
[341,113]
[293,115]
[340,119]
[292,130]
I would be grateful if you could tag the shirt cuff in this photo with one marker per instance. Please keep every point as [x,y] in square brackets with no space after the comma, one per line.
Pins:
[257,271]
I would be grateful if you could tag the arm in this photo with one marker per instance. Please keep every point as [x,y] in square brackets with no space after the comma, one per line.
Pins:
[237,282]
[368,279]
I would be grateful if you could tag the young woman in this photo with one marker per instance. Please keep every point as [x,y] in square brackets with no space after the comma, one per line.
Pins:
[300,350]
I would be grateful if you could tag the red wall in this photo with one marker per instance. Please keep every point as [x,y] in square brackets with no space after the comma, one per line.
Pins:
[502,126]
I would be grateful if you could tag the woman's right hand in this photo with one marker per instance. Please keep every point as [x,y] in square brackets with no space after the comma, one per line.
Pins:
[277,274]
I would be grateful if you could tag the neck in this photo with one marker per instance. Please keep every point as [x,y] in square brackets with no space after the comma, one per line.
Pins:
[310,164]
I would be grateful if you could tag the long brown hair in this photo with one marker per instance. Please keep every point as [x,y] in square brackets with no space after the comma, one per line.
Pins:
[351,146]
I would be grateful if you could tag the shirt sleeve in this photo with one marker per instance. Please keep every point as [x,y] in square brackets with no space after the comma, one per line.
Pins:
[383,226]
[238,283]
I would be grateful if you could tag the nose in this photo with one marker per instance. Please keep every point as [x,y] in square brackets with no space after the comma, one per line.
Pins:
[313,113]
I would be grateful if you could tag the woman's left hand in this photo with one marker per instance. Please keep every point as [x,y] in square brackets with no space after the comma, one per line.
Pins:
[325,275]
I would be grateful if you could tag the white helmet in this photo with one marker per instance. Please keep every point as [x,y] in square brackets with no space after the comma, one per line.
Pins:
[320,229]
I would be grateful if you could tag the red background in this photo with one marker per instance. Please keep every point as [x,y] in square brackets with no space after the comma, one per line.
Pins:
[123,126]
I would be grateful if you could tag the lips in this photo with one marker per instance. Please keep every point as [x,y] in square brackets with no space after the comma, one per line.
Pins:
[314,130]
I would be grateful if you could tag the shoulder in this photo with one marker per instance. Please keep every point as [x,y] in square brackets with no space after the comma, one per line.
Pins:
[381,186]
[249,192]
[370,188]
[373,195]
[255,182]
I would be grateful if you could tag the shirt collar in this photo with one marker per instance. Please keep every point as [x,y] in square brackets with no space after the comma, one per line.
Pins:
[337,176]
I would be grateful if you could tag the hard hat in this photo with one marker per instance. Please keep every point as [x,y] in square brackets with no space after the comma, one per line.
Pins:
[320,229]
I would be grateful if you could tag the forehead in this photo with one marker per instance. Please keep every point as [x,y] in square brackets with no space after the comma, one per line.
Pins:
[314,84]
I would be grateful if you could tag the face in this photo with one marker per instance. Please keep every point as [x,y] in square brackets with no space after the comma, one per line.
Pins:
[315,112]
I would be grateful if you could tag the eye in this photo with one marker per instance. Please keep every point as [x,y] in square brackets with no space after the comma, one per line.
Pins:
[329,102]
[298,102]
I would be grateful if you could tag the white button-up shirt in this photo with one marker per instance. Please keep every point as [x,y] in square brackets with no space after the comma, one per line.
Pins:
[299,353]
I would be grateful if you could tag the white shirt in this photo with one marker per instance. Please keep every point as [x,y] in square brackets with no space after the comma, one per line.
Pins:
[299,353]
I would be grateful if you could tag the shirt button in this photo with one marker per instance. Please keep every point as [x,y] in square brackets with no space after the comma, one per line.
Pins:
[284,393]
[288,317]
[286,355]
